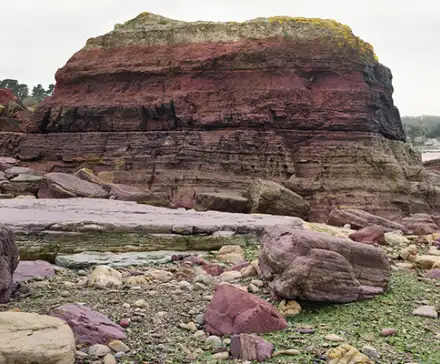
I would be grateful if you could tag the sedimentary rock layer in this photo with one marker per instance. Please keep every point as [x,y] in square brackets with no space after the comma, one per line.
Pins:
[44,228]
[170,105]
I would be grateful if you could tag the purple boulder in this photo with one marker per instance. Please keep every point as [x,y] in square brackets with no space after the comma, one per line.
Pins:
[90,327]
[29,270]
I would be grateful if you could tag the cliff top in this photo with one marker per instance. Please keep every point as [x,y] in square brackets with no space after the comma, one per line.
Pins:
[149,29]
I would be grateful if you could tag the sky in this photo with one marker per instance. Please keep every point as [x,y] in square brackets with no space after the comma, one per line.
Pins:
[39,36]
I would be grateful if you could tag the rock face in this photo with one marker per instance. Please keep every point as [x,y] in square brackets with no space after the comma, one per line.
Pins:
[37,339]
[179,106]
[8,263]
[311,266]
[233,311]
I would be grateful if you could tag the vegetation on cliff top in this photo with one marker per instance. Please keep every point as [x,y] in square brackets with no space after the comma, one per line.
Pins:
[151,29]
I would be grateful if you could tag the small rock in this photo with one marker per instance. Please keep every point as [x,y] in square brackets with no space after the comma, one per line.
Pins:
[253,289]
[118,346]
[232,254]
[289,308]
[288,352]
[141,303]
[334,338]
[161,275]
[257,282]
[214,341]
[103,276]
[200,335]
[205,279]
[230,276]
[65,294]
[224,355]
[184,285]
[98,350]
[306,330]
[82,273]
[200,318]
[81,355]
[426,311]
[347,354]
[371,352]
[191,326]
[124,323]
[109,359]
[249,271]
[126,305]
[388,332]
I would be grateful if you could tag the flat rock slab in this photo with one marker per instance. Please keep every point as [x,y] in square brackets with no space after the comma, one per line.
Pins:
[115,260]
[45,227]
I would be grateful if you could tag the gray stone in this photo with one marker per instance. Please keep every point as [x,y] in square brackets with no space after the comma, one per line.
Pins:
[371,352]
[15,171]
[426,311]
[25,177]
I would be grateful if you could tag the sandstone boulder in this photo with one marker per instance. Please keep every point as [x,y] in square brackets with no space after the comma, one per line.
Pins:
[226,202]
[233,311]
[347,354]
[369,235]
[103,276]
[420,224]
[9,259]
[359,219]
[90,327]
[37,339]
[306,265]
[269,197]
[61,185]
[251,347]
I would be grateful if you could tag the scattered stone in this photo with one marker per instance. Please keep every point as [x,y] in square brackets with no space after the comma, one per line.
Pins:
[230,276]
[371,352]
[250,347]
[26,337]
[141,304]
[257,282]
[227,202]
[65,294]
[205,279]
[388,332]
[249,271]
[427,261]
[82,273]
[191,326]
[253,289]
[404,266]
[396,238]
[420,224]
[137,281]
[347,354]
[109,359]
[289,308]
[124,323]
[200,335]
[409,253]
[81,319]
[214,341]
[334,338]
[224,355]
[161,275]
[433,274]
[99,350]
[426,311]
[213,269]
[231,254]
[118,346]
[287,352]
[103,276]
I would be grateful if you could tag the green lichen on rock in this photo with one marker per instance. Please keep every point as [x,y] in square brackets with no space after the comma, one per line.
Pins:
[149,29]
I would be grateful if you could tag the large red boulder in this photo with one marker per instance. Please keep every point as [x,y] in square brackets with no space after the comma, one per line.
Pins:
[233,311]
[9,259]
[312,266]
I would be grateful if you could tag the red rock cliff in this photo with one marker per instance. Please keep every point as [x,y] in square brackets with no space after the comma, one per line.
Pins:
[161,102]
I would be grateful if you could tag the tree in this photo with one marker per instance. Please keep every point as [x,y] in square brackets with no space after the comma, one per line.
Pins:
[39,92]
[20,89]
[50,90]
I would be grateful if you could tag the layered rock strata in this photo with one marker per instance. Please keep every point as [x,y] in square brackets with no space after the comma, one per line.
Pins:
[177,106]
